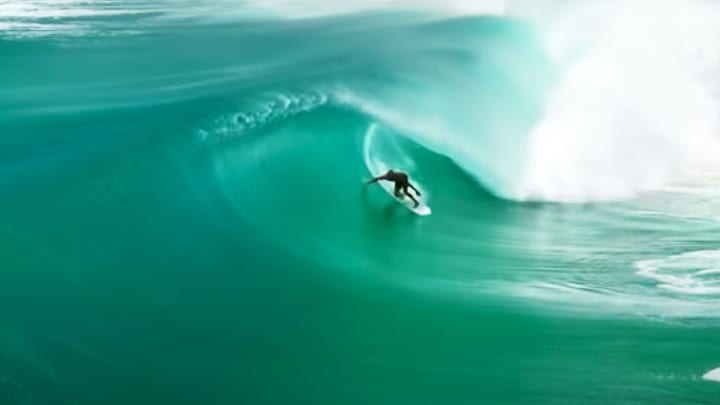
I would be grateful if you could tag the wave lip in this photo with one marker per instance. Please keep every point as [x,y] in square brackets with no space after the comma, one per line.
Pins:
[623,107]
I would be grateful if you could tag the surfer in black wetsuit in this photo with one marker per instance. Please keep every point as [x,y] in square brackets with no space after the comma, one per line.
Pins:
[401,184]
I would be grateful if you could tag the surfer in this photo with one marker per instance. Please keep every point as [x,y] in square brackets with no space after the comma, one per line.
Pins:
[401,184]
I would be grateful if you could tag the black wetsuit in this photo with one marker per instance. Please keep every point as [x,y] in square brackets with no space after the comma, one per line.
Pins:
[401,184]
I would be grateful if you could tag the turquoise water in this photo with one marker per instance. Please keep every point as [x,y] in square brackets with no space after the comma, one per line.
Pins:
[184,222]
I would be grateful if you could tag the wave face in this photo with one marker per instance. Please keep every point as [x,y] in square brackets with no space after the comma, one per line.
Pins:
[529,110]
[184,221]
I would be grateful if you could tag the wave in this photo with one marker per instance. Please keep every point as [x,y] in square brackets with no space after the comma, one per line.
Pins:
[467,105]
[224,162]
[547,107]
[537,105]
[613,114]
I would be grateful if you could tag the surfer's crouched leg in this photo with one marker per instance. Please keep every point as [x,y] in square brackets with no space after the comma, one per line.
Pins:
[398,192]
[413,199]
[407,193]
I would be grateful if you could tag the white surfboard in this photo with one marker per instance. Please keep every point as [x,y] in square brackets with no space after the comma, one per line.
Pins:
[378,168]
[712,375]
[421,209]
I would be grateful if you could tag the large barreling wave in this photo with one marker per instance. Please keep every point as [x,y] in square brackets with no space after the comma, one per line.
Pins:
[558,102]
[547,100]
[526,101]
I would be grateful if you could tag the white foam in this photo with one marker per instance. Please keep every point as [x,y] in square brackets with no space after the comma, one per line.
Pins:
[636,106]
[32,18]
[693,273]
[293,9]
[49,9]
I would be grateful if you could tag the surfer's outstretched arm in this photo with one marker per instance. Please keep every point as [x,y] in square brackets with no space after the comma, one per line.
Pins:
[376,179]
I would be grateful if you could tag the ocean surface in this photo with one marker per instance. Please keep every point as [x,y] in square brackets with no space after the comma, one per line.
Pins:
[183,218]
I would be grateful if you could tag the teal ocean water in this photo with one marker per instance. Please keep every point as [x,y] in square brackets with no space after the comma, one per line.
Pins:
[183,221]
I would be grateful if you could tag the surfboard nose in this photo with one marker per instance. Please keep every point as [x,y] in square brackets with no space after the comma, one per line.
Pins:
[712,375]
